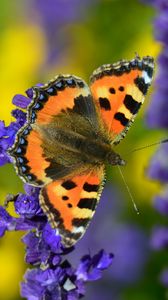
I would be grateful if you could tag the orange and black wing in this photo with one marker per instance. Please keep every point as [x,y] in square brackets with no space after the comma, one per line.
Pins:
[119,90]
[38,161]
[70,204]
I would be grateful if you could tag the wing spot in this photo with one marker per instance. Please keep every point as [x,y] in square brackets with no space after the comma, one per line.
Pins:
[112,90]
[78,222]
[149,71]
[22,141]
[89,203]
[69,185]
[42,96]
[90,187]
[71,82]
[132,105]
[81,84]
[24,169]
[121,117]
[140,83]
[51,91]
[60,85]
[65,198]
[69,205]
[104,103]
[121,88]
[37,106]
[18,150]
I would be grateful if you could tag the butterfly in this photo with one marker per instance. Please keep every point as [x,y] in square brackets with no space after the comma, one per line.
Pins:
[70,134]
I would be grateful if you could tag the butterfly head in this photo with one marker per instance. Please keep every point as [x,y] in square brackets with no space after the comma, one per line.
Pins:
[115,159]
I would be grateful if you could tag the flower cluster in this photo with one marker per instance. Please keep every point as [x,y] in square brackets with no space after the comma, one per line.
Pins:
[157,117]
[53,276]
[7,134]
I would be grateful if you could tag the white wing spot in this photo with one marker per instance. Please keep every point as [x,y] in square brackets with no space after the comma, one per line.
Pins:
[146,77]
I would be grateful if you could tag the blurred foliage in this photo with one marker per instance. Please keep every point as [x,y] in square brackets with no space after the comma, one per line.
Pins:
[110,30]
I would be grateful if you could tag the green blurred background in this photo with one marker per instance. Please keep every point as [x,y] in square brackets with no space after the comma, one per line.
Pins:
[101,32]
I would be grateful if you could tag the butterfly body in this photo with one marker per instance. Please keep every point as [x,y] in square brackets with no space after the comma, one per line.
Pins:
[92,149]
[70,135]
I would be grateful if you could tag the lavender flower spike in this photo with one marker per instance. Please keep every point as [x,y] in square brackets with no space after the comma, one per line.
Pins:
[7,134]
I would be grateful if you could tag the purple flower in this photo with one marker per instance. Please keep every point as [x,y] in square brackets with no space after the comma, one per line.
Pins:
[91,268]
[2,129]
[64,282]
[27,205]
[21,100]
[164,277]
[161,203]
[157,113]
[41,284]
[9,223]
[159,239]
[39,251]
[6,221]
[7,134]
[158,168]
[51,238]
[52,276]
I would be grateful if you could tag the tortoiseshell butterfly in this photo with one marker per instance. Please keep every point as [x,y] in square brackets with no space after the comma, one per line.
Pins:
[70,135]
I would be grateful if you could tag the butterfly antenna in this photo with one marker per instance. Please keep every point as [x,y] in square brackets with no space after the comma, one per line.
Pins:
[129,192]
[150,145]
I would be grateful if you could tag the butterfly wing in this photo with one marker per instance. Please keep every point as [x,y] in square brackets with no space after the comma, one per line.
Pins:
[70,204]
[119,90]
[44,156]
[64,101]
